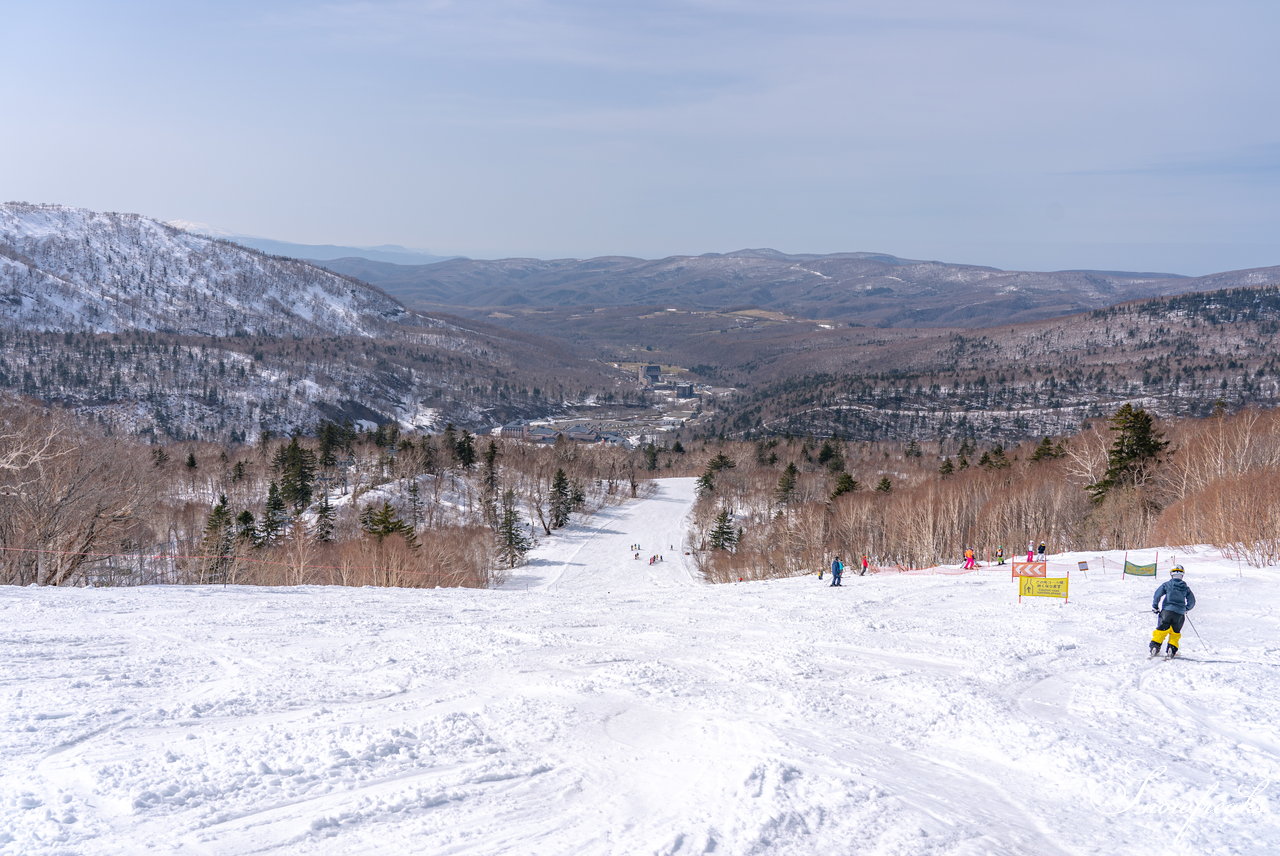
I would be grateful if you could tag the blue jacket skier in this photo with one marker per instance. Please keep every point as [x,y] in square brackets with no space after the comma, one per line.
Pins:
[837,569]
[1178,601]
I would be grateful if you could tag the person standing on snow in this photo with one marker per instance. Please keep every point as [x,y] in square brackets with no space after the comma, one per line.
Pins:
[969,559]
[1000,555]
[1040,556]
[1178,601]
[1031,551]
[865,564]
[837,570]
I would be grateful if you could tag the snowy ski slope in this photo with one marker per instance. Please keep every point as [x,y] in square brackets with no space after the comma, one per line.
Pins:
[599,704]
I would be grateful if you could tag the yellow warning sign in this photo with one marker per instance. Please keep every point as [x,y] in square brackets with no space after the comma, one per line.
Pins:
[1042,586]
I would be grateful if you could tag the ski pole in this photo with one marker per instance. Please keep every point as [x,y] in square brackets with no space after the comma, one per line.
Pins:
[1197,632]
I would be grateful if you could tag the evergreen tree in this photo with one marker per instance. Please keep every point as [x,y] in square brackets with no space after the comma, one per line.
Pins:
[1134,453]
[787,484]
[1047,451]
[845,483]
[415,504]
[247,528]
[465,450]
[513,542]
[885,485]
[322,531]
[218,544]
[650,456]
[296,466]
[720,462]
[561,499]
[275,517]
[489,485]
[191,461]
[677,448]
[706,484]
[722,535]
[382,520]
[947,468]
[830,456]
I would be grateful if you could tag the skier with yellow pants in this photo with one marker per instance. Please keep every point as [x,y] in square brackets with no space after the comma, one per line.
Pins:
[1178,601]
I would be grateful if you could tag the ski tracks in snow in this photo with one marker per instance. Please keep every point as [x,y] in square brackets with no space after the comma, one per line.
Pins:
[599,704]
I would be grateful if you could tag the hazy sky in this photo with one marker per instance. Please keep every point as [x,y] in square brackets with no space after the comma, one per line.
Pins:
[1021,134]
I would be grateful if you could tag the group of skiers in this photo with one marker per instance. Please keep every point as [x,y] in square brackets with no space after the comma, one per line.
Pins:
[1172,601]
[837,570]
[1034,554]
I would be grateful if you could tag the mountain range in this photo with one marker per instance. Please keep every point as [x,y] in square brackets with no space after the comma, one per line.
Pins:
[871,289]
[155,330]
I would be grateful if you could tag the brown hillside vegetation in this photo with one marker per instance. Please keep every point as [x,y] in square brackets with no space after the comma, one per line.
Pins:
[452,509]
[910,506]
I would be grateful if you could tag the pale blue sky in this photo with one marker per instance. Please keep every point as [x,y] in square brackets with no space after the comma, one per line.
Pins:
[1138,134]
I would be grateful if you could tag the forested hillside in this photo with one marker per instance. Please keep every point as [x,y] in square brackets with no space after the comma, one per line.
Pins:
[157,332]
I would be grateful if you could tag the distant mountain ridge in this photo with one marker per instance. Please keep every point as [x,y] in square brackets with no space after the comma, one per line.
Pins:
[158,331]
[873,289]
[72,269]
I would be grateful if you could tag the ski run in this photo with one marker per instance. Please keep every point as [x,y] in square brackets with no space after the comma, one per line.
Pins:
[603,704]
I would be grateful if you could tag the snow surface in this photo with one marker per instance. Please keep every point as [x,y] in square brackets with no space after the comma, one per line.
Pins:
[602,705]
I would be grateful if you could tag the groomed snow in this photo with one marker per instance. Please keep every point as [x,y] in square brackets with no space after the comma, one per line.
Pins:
[603,705]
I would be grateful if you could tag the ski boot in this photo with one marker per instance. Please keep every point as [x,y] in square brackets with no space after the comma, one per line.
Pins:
[1173,651]
[1154,648]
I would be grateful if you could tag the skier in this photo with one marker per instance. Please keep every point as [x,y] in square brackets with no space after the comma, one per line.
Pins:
[1000,555]
[1178,601]
[1031,551]
[969,560]
[1040,556]
[837,570]
[866,563]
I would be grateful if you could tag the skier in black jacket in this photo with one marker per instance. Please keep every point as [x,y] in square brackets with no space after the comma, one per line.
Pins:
[1178,601]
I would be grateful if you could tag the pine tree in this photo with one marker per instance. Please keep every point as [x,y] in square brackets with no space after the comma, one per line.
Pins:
[1047,451]
[382,520]
[786,484]
[722,535]
[489,485]
[561,499]
[247,528]
[651,456]
[465,450]
[947,468]
[885,485]
[1134,454]
[845,483]
[322,531]
[275,517]
[296,466]
[512,541]
[218,544]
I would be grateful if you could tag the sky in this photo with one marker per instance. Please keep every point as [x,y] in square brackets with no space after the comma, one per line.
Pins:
[1127,136]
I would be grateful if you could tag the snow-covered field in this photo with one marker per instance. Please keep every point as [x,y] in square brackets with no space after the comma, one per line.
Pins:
[603,705]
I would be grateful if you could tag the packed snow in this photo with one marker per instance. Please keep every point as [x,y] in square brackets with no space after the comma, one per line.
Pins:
[604,704]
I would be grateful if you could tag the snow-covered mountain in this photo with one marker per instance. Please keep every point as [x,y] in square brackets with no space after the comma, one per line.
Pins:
[155,330]
[72,269]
